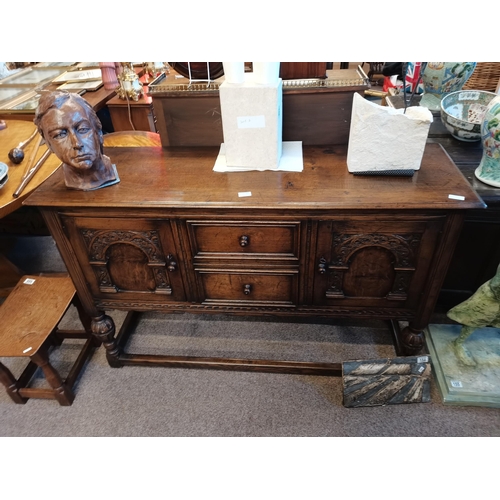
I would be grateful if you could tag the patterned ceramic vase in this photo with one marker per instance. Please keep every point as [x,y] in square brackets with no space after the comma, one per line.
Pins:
[441,78]
[489,168]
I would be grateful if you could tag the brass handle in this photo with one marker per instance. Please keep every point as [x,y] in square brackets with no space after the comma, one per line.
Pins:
[171,264]
[247,289]
[244,241]
[322,266]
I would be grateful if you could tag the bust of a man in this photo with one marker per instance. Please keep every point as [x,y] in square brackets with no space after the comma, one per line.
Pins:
[73,132]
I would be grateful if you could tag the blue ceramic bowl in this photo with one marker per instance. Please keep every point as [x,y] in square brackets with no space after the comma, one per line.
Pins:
[462,113]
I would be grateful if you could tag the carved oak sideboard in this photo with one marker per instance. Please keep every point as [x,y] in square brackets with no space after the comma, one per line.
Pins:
[175,236]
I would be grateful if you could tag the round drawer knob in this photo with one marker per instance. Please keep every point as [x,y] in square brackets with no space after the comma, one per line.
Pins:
[171,264]
[247,289]
[322,266]
[244,241]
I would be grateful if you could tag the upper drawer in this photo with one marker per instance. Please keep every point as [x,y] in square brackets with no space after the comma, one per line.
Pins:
[240,240]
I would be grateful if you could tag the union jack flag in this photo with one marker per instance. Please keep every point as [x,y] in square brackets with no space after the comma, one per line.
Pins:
[411,78]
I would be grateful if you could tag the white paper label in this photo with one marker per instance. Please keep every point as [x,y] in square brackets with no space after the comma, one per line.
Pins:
[421,369]
[456,383]
[258,121]
[456,197]
[27,350]
[242,194]
[28,281]
[422,359]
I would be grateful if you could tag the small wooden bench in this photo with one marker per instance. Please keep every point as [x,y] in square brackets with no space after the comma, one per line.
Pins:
[29,320]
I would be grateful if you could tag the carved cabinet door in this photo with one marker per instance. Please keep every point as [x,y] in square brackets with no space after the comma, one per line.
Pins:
[127,259]
[374,262]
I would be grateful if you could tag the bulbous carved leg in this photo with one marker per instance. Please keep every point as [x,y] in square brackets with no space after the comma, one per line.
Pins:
[85,319]
[412,340]
[103,327]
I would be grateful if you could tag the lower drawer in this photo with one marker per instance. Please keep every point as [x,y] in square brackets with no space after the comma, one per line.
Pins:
[244,288]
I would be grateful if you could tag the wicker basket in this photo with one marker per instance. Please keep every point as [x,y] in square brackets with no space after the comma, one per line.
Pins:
[485,77]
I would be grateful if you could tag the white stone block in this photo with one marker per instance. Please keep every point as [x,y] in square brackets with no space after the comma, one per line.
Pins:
[252,123]
[383,138]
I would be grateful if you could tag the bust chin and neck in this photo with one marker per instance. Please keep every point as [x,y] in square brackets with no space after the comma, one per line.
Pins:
[101,174]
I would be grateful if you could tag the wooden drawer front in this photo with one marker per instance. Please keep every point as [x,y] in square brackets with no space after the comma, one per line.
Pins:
[240,240]
[129,257]
[256,288]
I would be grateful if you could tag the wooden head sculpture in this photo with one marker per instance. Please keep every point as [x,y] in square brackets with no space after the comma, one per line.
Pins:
[73,132]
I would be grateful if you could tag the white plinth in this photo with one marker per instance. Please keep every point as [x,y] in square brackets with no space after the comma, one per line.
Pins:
[252,124]
[461,384]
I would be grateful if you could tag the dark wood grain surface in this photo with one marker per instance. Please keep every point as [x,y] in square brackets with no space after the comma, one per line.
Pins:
[183,177]
[174,235]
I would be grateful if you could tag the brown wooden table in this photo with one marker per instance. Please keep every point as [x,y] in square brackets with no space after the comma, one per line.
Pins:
[16,132]
[96,99]
[175,236]
[477,254]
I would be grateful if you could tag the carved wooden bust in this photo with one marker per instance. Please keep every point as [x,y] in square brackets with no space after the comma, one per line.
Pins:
[73,132]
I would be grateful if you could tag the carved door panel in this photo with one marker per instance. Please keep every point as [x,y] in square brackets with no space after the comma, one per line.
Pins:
[127,258]
[374,263]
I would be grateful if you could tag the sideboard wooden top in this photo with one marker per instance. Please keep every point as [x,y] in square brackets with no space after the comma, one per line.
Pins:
[183,178]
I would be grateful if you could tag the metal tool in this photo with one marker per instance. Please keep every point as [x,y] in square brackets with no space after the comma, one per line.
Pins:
[16,155]
[32,157]
[31,173]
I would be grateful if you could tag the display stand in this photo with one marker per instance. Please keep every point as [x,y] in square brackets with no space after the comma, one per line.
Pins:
[460,384]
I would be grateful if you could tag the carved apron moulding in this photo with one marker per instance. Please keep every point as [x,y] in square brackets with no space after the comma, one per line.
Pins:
[98,242]
[402,246]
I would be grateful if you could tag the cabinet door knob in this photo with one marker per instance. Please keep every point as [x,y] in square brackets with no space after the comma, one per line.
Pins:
[244,241]
[171,263]
[247,289]
[322,266]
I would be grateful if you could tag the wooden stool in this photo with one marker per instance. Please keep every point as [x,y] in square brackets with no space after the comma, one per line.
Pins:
[29,320]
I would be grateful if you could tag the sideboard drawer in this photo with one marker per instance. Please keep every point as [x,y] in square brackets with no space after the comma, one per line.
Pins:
[245,240]
[256,288]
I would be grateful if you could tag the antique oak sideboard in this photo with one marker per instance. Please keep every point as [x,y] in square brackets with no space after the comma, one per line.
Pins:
[175,236]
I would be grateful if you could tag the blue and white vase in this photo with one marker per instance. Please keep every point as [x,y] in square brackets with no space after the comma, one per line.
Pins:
[488,170]
[441,78]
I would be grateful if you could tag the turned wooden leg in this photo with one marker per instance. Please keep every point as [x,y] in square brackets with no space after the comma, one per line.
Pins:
[10,383]
[103,327]
[63,394]
[411,341]
[85,319]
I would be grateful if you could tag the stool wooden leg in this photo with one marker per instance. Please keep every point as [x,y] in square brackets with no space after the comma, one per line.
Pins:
[10,383]
[63,394]
[86,320]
